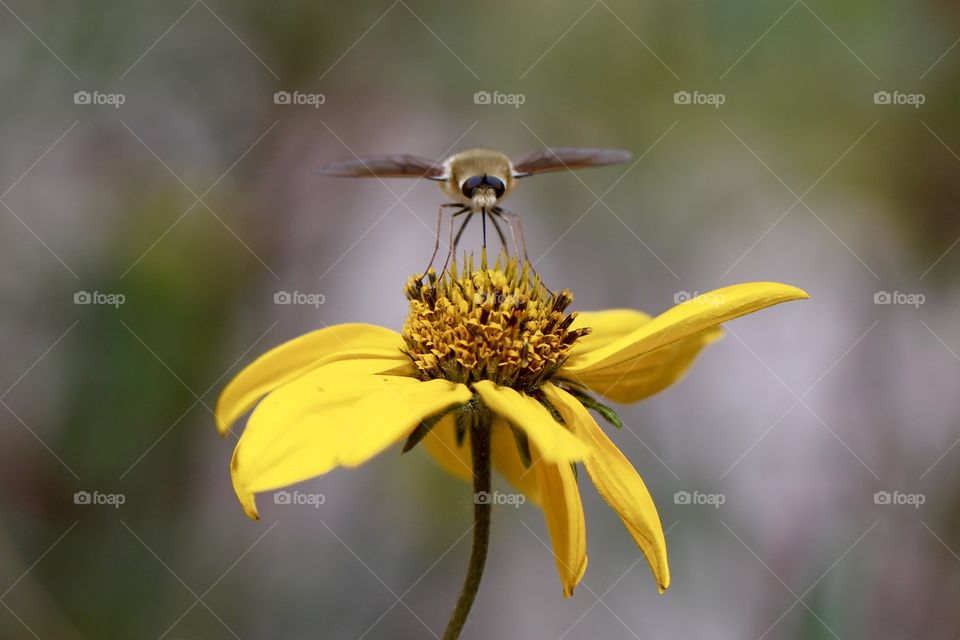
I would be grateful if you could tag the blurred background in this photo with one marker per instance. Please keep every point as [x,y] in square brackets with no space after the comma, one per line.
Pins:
[157,195]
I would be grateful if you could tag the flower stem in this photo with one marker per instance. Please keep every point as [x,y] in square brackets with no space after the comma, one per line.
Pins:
[480,452]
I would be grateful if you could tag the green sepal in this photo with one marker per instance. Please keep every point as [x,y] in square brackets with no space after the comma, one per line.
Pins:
[461,428]
[424,428]
[590,402]
[523,445]
[543,400]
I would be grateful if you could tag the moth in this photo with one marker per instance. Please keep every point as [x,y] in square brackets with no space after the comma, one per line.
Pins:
[477,180]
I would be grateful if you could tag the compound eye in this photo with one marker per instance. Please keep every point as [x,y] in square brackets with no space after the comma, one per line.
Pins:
[470,184]
[497,185]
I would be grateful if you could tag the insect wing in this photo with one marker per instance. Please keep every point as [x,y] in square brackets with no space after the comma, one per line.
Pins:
[565,158]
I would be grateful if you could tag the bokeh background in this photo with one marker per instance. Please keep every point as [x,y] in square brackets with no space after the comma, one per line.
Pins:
[194,199]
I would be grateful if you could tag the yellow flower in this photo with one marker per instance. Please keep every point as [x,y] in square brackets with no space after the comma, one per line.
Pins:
[491,346]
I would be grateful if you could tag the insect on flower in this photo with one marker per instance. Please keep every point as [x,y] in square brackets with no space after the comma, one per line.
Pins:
[477,180]
[489,372]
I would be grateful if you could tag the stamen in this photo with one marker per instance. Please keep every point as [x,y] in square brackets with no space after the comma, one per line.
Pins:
[500,324]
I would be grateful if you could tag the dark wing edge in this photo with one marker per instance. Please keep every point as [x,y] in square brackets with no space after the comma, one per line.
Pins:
[564,158]
[386,166]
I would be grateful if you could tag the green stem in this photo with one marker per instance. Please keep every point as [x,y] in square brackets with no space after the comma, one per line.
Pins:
[480,452]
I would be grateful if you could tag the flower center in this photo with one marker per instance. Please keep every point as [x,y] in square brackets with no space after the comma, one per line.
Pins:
[498,324]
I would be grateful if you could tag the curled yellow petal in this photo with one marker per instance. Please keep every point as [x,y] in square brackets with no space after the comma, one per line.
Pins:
[671,340]
[300,355]
[507,460]
[563,512]
[605,327]
[455,458]
[638,378]
[555,443]
[322,420]
[618,482]
[441,442]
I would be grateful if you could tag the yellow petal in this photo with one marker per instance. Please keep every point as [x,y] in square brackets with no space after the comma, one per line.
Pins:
[618,482]
[298,356]
[641,377]
[507,460]
[563,512]
[696,319]
[322,420]
[441,442]
[555,443]
[391,414]
[606,326]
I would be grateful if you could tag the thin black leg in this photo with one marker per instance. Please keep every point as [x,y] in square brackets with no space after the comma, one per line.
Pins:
[436,244]
[454,241]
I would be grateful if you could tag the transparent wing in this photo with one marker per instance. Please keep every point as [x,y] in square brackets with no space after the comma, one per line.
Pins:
[564,158]
[387,166]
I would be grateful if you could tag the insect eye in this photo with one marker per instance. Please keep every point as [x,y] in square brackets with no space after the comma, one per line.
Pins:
[497,185]
[470,184]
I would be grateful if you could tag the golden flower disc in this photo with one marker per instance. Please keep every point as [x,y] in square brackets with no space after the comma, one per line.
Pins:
[500,324]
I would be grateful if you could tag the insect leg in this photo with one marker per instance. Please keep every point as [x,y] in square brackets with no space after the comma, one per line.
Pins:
[483,217]
[498,212]
[436,244]
[455,241]
[516,218]
[494,216]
